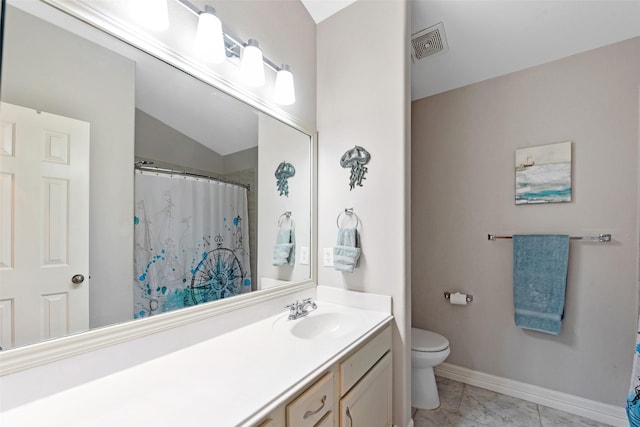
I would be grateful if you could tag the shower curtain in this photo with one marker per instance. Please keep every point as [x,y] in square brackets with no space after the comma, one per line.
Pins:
[633,399]
[191,242]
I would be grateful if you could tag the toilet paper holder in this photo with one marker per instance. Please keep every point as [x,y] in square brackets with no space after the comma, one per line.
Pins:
[447,295]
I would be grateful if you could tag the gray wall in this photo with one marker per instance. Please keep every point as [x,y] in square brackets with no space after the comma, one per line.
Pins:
[363,99]
[241,160]
[155,140]
[47,68]
[463,145]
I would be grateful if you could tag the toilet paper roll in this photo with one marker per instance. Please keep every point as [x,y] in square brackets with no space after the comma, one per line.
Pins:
[458,299]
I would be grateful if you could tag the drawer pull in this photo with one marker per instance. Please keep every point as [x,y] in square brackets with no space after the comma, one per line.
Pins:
[312,413]
[349,415]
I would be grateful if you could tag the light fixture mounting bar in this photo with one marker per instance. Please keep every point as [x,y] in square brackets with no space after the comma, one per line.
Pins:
[228,35]
[190,6]
[239,42]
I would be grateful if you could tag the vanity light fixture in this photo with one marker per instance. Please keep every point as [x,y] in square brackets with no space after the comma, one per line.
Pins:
[209,42]
[252,64]
[252,61]
[151,14]
[285,93]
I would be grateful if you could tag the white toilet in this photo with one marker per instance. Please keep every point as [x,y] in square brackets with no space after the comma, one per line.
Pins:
[428,349]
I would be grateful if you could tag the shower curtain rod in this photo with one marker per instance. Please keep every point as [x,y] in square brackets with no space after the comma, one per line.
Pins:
[144,166]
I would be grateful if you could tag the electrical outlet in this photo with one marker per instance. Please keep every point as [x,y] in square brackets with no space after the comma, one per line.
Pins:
[304,255]
[328,257]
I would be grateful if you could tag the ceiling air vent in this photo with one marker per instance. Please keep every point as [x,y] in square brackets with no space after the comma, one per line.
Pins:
[429,41]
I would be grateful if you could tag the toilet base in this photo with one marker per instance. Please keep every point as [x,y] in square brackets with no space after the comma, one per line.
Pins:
[424,392]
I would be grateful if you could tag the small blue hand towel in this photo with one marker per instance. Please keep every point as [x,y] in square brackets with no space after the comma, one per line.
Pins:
[346,252]
[284,250]
[539,281]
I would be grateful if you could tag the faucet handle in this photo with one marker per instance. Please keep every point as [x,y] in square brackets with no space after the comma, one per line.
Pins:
[293,309]
[310,302]
[294,305]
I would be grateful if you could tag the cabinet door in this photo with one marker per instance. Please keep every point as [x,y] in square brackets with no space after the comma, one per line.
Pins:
[368,404]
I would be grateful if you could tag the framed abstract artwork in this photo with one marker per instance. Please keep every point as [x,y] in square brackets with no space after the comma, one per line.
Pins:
[543,174]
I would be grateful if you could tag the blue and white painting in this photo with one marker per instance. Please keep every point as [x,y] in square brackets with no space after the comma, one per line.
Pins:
[543,174]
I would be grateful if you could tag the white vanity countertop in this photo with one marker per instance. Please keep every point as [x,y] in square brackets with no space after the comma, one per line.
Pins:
[234,379]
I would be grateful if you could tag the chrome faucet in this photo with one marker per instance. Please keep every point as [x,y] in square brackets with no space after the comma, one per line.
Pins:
[301,309]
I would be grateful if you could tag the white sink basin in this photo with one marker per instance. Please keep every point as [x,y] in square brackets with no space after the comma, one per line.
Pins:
[322,323]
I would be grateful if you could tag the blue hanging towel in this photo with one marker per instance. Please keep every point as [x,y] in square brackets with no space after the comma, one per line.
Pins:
[284,250]
[346,251]
[539,281]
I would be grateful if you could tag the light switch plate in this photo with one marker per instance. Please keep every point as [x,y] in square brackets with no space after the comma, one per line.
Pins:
[304,255]
[327,257]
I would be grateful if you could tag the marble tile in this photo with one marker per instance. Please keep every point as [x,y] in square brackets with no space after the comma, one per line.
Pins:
[468,406]
[493,409]
[552,417]
[440,418]
[450,393]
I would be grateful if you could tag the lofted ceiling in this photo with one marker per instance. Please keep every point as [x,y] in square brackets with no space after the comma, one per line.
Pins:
[490,38]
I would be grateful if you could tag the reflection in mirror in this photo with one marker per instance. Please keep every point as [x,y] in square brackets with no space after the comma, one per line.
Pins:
[80,249]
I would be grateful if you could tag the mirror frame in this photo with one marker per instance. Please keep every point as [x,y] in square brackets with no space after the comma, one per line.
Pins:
[3,8]
[44,352]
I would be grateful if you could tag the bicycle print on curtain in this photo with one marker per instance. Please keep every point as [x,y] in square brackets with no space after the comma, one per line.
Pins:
[191,242]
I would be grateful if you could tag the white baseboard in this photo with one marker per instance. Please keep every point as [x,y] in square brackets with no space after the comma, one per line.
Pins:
[602,412]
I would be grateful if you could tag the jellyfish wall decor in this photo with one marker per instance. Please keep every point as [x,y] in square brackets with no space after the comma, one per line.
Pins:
[356,159]
[284,171]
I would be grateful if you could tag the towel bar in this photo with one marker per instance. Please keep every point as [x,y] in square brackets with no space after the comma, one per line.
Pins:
[285,217]
[349,212]
[599,238]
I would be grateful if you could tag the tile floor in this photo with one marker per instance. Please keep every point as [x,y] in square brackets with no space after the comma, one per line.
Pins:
[462,405]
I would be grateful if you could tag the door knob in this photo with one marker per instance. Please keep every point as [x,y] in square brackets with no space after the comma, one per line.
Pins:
[77,279]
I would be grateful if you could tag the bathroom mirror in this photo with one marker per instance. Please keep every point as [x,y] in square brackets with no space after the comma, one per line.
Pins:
[103,104]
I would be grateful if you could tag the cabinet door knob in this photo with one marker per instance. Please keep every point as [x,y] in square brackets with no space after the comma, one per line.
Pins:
[312,413]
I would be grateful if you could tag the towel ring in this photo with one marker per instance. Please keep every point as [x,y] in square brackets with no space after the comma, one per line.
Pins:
[347,211]
[285,216]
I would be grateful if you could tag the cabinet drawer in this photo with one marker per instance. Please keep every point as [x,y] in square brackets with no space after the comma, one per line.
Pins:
[352,369]
[313,404]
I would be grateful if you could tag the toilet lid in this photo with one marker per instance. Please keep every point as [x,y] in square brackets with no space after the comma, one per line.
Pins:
[427,341]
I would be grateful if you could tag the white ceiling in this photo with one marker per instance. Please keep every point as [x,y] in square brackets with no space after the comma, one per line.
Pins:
[490,38]
[322,9]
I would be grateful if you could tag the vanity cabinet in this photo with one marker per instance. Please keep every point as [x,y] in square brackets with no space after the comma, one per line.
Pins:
[356,391]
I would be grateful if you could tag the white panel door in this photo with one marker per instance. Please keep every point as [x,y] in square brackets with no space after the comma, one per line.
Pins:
[44,226]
